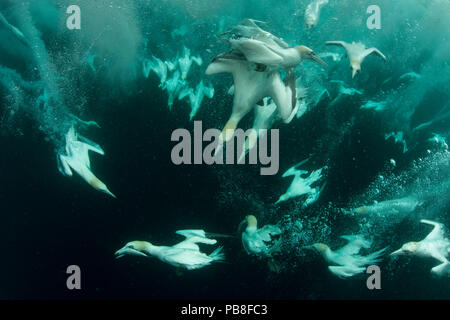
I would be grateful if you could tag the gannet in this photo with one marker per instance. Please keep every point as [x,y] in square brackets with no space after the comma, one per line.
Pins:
[173,86]
[312,12]
[77,158]
[435,245]
[158,66]
[196,97]
[346,262]
[395,206]
[185,254]
[171,65]
[261,47]
[356,53]
[248,28]
[258,241]
[250,87]
[257,51]
[301,186]
[15,31]
[185,62]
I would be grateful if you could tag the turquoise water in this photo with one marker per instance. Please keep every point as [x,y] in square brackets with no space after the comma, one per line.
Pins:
[376,144]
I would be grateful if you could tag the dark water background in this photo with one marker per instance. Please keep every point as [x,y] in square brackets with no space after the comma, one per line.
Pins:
[51,222]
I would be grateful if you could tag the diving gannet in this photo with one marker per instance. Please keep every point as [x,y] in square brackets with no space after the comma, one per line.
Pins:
[185,254]
[174,86]
[395,206]
[196,97]
[346,262]
[15,31]
[158,66]
[185,62]
[356,53]
[435,245]
[250,87]
[312,12]
[301,186]
[258,241]
[261,47]
[257,51]
[77,158]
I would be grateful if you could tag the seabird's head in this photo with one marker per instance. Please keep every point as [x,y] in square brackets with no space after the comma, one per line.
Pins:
[307,53]
[251,222]
[320,247]
[360,210]
[409,248]
[100,186]
[136,248]
[310,21]
[356,67]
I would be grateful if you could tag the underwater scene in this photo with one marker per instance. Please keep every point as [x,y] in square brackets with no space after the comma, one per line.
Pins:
[223,149]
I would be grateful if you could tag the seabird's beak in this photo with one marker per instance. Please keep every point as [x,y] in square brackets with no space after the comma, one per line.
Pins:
[354,73]
[317,59]
[109,193]
[397,253]
[128,251]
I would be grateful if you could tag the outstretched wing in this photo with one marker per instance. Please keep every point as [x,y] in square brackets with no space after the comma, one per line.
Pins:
[256,51]
[293,170]
[267,231]
[376,51]
[337,43]
[193,236]
[91,145]
[189,233]
[437,232]
[63,166]
[345,272]
[354,245]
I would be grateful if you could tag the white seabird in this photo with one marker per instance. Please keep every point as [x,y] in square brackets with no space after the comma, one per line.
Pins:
[302,186]
[185,254]
[250,87]
[435,245]
[346,261]
[395,206]
[312,12]
[196,97]
[185,62]
[261,47]
[77,158]
[259,241]
[356,53]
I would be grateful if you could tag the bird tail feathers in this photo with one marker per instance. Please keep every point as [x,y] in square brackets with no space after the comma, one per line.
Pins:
[217,255]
